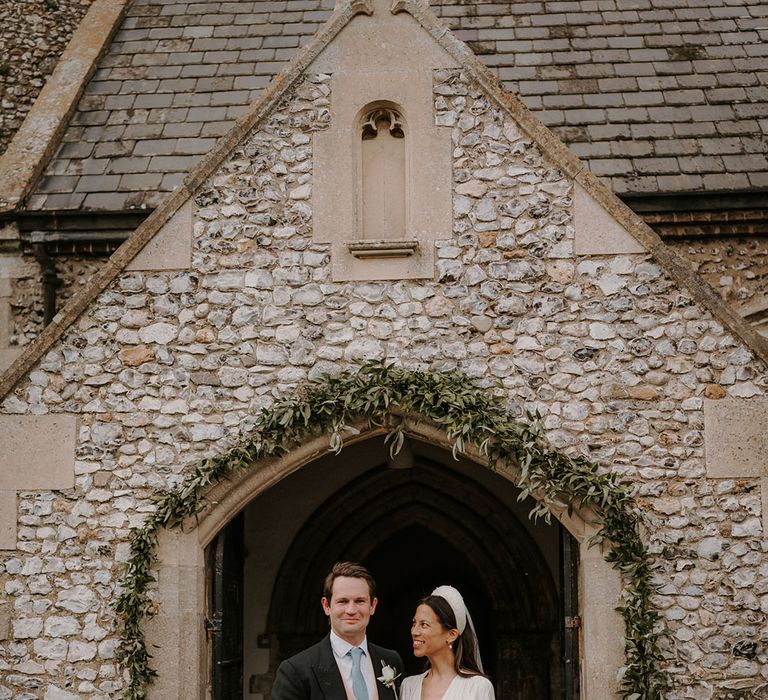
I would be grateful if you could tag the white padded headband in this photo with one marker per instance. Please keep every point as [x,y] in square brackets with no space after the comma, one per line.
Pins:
[454,599]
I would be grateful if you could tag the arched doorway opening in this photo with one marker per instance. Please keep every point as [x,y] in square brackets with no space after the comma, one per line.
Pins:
[439,521]
[276,497]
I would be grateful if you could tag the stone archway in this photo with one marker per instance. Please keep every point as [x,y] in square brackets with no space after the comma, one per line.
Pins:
[516,596]
[181,596]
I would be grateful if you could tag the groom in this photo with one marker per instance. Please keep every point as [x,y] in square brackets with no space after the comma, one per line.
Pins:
[344,665]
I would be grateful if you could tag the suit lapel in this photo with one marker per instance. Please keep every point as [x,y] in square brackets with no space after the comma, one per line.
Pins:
[327,673]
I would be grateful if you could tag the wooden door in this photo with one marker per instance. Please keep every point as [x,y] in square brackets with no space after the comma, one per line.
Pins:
[226,622]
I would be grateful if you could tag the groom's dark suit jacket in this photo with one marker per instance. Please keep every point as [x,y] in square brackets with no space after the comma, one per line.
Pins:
[313,674]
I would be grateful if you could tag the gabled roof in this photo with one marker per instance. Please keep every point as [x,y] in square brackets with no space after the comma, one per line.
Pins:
[550,146]
[656,96]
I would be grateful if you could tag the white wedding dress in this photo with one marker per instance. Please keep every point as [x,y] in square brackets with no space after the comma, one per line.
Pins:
[472,688]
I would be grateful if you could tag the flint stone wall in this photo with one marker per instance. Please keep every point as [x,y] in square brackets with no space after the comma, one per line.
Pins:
[735,266]
[169,367]
[26,298]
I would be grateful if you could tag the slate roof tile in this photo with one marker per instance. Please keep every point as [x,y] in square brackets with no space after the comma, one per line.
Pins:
[215,129]
[170,181]
[183,129]
[680,182]
[732,181]
[59,183]
[97,183]
[631,149]
[759,179]
[133,164]
[143,131]
[655,95]
[107,201]
[172,164]
[71,200]
[144,181]
[62,166]
[90,166]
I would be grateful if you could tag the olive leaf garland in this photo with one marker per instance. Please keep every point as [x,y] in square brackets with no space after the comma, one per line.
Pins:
[468,414]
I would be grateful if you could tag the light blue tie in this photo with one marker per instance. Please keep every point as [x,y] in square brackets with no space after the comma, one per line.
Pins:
[359,689]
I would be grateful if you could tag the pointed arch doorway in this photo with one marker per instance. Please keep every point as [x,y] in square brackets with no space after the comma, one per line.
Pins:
[437,521]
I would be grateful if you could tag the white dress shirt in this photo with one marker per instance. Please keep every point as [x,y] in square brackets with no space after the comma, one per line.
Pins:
[344,662]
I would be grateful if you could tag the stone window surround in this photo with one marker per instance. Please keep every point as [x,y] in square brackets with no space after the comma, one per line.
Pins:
[336,196]
[183,579]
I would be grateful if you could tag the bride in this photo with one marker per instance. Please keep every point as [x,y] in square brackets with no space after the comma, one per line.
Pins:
[442,631]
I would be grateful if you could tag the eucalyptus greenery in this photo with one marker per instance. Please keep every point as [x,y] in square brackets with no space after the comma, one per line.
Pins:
[468,414]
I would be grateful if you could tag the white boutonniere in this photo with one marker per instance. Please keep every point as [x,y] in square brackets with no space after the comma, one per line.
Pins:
[388,677]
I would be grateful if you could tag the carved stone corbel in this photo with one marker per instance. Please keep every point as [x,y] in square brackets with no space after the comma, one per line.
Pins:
[370,128]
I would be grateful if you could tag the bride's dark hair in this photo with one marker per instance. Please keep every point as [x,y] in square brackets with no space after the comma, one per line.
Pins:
[465,661]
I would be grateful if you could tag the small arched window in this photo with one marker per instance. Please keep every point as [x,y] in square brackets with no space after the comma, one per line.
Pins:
[382,192]
[382,182]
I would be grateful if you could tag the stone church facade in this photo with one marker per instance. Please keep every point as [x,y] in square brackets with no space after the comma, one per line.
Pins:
[383,199]
[664,100]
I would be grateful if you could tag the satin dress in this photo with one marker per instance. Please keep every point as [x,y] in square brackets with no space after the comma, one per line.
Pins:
[472,688]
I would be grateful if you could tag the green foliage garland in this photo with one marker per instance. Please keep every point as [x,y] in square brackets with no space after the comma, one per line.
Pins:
[467,414]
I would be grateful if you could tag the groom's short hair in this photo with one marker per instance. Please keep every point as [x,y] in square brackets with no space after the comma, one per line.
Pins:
[349,569]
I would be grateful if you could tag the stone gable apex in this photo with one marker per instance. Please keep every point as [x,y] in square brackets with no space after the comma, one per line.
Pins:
[628,225]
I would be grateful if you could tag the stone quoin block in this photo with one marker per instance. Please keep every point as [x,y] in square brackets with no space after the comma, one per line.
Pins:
[735,437]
